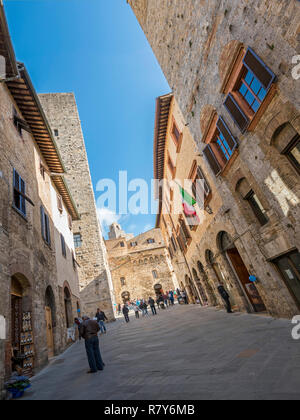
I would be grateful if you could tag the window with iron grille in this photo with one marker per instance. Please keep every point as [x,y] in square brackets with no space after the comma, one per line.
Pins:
[77,240]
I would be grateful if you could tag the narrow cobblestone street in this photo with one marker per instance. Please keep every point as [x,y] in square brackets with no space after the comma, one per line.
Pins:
[187,352]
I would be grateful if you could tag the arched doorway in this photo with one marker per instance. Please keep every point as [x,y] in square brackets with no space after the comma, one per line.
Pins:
[191,290]
[203,296]
[235,260]
[158,289]
[125,297]
[68,307]
[205,280]
[210,259]
[50,316]
[22,338]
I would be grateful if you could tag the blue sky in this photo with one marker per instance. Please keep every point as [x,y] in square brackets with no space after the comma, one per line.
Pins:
[96,49]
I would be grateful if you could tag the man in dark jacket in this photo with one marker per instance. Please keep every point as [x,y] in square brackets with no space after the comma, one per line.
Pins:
[89,331]
[101,317]
[126,313]
[225,296]
[151,302]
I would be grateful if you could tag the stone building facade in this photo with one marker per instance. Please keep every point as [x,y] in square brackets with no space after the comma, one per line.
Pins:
[230,66]
[32,302]
[140,266]
[94,273]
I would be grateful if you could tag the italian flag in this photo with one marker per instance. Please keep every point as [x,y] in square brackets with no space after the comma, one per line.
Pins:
[188,203]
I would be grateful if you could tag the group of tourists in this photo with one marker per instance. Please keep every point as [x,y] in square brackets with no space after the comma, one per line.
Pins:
[89,328]
[140,306]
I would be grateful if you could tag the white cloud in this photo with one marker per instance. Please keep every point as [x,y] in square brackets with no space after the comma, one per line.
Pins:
[107,217]
[148,227]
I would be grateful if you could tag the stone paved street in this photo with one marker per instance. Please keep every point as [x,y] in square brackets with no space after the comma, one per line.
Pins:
[184,353]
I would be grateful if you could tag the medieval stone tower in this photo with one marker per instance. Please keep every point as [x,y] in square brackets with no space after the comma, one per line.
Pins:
[94,273]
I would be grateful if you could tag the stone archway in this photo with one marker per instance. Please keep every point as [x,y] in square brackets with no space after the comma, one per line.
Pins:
[202,293]
[20,322]
[125,297]
[68,307]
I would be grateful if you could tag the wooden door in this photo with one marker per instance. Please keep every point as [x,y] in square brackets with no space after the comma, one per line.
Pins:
[49,329]
[243,275]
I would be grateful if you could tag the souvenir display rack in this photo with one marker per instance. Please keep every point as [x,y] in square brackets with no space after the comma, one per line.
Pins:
[27,344]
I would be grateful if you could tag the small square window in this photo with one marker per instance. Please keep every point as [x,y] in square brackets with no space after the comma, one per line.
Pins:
[77,240]
[56,133]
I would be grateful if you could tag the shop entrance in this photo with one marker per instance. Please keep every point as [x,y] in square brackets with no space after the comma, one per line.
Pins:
[242,273]
[289,268]
[22,344]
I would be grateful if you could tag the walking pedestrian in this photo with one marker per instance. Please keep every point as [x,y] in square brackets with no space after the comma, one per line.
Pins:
[171,297]
[136,311]
[119,309]
[101,317]
[165,299]
[151,302]
[126,313]
[184,296]
[89,332]
[225,296]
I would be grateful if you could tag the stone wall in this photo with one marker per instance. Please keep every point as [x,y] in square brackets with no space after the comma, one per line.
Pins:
[94,274]
[195,42]
[23,252]
[140,266]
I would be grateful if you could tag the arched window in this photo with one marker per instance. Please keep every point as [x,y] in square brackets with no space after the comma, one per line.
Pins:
[155,274]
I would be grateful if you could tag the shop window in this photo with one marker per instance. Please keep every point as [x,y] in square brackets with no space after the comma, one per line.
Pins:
[77,240]
[257,208]
[250,89]
[45,226]
[220,148]
[63,246]
[289,267]
[292,152]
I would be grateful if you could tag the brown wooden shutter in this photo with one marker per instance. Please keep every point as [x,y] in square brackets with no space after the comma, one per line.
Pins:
[213,163]
[238,116]
[231,141]
[259,69]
